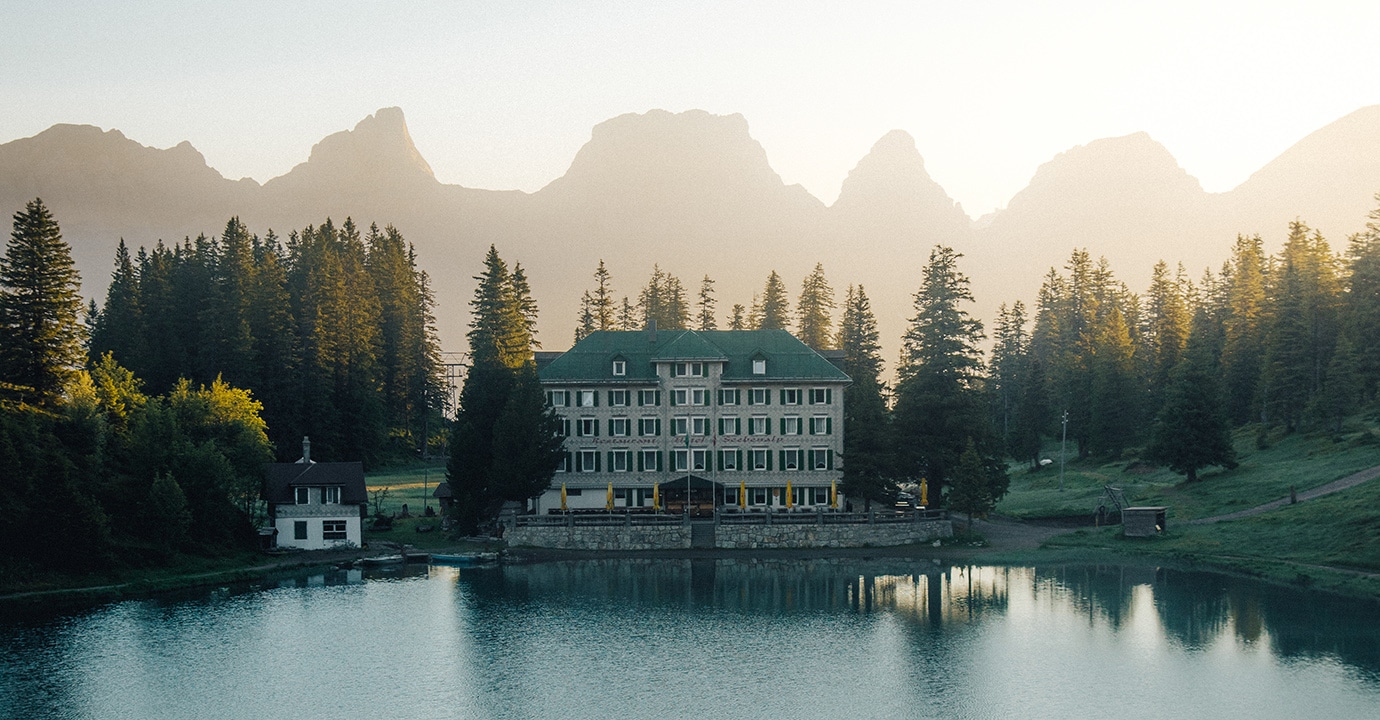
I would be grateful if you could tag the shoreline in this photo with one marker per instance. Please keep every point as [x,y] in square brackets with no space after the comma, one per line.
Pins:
[1005,542]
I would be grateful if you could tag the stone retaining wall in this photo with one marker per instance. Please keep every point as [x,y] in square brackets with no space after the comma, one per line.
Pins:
[839,536]
[635,537]
[672,537]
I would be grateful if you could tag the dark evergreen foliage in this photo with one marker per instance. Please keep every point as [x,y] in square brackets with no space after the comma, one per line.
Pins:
[40,329]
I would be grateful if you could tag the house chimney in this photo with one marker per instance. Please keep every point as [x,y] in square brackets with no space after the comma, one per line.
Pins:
[306,450]
[651,330]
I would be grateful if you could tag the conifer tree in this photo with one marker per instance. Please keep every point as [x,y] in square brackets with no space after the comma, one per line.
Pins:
[1113,416]
[1361,321]
[1302,325]
[705,316]
[119,328]
[40,328]
[585,325]
[601,300]
[1010,354]
[663,300]
[938,404]
[627,315]
[815,309]
[971,492]
[773,311]
[1243,329]
[1168,320]
[226,341]
[1191,430]
[867,430]
[738,317]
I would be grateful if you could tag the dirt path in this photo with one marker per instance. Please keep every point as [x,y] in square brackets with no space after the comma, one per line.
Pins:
[1345,483]
[1004,533]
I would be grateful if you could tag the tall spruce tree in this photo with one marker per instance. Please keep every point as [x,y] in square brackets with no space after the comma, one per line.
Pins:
[773,311]
[601,299]
[1243,329]
[663,300]
[119,327]
[737,318]
[704,317]
[1361,316]
[1301,326]
[41,333]
[1191,431]
[938,401]
[867,456]
[1006,372]
[814,310]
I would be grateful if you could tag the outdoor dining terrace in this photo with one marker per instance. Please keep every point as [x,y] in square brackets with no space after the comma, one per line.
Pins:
[643,517]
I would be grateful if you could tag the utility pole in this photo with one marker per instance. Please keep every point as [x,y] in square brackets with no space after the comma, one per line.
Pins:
[1062,445]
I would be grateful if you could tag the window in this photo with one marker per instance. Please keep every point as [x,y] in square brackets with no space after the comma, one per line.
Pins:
[757,496]
[689,369]
[647,398]
[620,367]
[680,426]
[790,396]
[588,427]
[699,425]
[728,396]
[728,459]
[757,459]
[587,398]
[679,460]
[299,530]
[759,425]
[620,460]
[333,530]
[821,496]
[565,463]
[649,459]
[730,426]
[618,398]
[759,367]
[730,496]
[792,459]
[690,396]
[759,396]
[564,431]
[587,461]
[790,425]
[699,459]
[620,427]
[648,426]
[557,398]
[302,496]
[331,495]
[820,396]
[680,396]
[819,458]
[820,425]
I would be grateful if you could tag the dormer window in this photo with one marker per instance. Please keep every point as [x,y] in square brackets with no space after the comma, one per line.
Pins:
[759,366]
[620,368]
[331,495]
[302,495]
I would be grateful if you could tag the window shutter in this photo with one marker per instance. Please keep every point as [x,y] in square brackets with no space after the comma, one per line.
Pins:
[640,462]
[579,429]
[783,426]
[596,398]
[829,426]
[783,396]
[658,428]
[737,426]
[829,459]
[768,459]
[597,464]
[611,460]
[783,459]
[610,427]
[660,464]
[596,428]
[828,396]
[569,461]
[739,458]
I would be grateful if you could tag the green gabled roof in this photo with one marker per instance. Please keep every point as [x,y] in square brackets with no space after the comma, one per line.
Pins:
[788,359]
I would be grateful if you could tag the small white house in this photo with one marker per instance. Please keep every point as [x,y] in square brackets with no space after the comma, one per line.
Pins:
[316,506]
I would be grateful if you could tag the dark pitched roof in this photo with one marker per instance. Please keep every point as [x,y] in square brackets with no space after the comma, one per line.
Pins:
[283,477]
[442,491]
[591,359]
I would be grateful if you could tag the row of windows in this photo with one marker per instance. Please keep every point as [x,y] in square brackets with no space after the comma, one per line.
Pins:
[699,425]
[623,397]
[330,530]
[642,497]
[698,459]
[329,495]
[689,369]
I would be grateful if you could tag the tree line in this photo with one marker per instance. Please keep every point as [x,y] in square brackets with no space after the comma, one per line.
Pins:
[332,330]
[94,473]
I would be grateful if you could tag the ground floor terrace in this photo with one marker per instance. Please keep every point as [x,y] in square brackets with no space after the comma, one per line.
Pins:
[703,496]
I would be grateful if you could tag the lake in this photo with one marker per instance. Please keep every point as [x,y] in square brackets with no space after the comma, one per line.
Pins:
[707,639]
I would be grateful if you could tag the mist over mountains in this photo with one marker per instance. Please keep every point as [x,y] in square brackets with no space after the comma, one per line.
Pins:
[694,192]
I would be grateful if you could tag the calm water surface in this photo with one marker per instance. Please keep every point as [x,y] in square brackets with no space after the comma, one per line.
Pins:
[708,639]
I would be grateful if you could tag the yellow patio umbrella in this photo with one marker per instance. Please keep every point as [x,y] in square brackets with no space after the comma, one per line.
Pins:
[924,492]
[563,507]
[789,504]
[742,494]
[608,503]
[656,496]
[834,494]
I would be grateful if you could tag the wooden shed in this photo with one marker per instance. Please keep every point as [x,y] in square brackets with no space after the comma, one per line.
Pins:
[1143,521]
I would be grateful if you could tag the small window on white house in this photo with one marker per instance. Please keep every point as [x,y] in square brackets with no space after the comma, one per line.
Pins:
[333,530]
[757,459]
[790,396]
[302,496]
[699,396]
[556,398]
[299,530]
[587,461]
[620,427]
[759,425]
[618,398]
[620,460]
[587,398]
[620,367]
[679,460]
[819,458]
[680,426]
[758,496]
[790,425]
[332,495]
[820,425]
[819,396]
[760,396]
[759,367]
[699,459]
[647,426]
[699,425]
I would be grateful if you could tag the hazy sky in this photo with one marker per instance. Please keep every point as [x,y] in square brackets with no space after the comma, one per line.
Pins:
[501,95]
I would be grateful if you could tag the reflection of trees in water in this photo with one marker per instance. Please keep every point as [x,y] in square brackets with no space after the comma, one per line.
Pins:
[1100,592]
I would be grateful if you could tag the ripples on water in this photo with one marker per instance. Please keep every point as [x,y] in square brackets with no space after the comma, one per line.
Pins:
[708,639]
